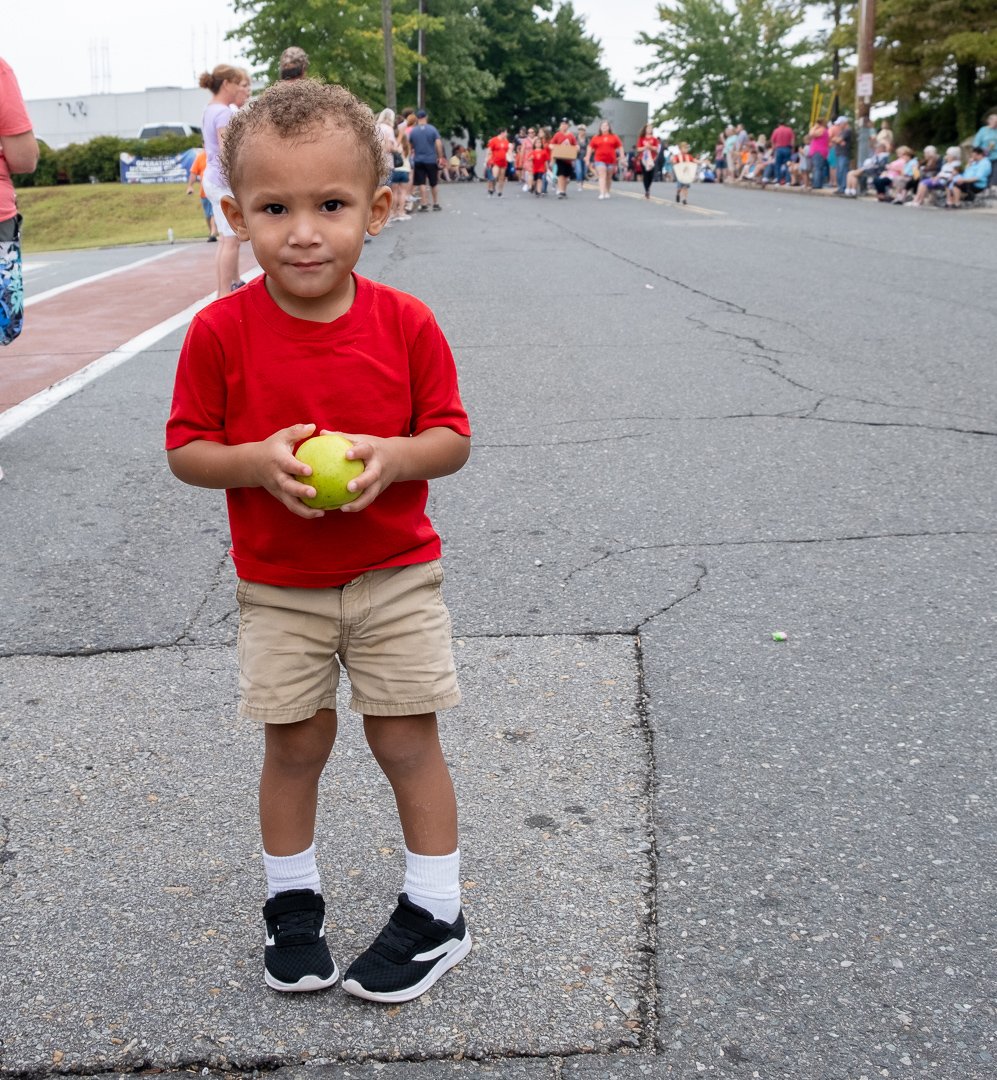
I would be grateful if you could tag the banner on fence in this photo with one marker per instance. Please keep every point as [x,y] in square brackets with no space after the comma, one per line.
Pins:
[153,170]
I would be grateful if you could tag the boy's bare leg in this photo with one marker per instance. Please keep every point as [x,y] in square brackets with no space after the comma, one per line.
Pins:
[408,750]
[293,760]
[426,935]
[227,263]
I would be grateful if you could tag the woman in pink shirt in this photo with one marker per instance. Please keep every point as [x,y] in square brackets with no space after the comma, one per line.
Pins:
[820,147]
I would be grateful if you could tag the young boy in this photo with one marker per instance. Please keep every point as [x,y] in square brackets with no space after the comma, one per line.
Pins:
[684,174]
[311,347]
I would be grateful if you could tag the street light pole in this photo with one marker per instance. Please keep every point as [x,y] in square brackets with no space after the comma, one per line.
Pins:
[390,93]
[863,76]
[420,87]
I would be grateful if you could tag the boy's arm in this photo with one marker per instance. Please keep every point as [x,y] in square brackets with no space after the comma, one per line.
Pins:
[269,464]
[437,451]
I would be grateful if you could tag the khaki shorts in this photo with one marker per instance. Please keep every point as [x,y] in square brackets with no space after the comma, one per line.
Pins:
[389,629]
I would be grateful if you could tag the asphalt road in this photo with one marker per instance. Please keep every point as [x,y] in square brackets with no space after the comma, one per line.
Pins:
[689,849]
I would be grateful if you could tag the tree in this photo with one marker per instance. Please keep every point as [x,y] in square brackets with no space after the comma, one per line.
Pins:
[741,63]
[497,61]
[458,85]
[545,67]
[343,39]
[931,50]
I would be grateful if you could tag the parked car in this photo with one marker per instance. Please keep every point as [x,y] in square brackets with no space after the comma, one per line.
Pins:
[167,127]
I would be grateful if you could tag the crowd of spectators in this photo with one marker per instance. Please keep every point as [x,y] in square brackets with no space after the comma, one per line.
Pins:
[822,158]
[825,157]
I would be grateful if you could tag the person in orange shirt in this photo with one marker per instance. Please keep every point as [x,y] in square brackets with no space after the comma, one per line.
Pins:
[196,172]
[498,162]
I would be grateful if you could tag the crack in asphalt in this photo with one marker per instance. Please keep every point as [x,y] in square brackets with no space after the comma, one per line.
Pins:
[766,354]
[787,541]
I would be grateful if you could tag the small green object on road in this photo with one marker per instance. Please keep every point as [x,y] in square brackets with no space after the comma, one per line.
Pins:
[778,635]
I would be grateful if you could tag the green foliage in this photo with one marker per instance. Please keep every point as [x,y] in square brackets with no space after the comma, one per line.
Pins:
[546,67]
[47,172]
[343,39]
[497,61]
[80,163]
[457,85]
[743,62]
[931,50]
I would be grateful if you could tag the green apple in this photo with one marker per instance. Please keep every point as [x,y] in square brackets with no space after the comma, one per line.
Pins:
[331,470]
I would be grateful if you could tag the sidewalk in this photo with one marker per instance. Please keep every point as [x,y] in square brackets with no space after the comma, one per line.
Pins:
[76,327]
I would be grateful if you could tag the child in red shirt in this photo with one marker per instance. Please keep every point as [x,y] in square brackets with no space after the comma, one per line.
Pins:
[539,158]
[312,347]
[607,149]
[498,162]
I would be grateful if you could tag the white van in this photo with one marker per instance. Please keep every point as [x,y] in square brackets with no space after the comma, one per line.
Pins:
[167,127]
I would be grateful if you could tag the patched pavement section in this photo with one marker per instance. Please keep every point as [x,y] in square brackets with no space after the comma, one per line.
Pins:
[133,881]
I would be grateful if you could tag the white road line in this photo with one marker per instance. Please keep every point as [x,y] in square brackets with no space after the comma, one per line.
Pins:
[19,415]
[29,300]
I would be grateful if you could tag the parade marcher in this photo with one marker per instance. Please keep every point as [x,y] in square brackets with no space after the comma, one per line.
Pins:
[606,151]
[497,168]
[648,150]
[564,167]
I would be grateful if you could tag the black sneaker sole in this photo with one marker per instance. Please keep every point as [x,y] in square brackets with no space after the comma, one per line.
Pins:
[441,967]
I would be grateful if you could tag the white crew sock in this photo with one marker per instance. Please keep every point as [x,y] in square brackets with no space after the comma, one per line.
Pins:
[286,872]
[433,882]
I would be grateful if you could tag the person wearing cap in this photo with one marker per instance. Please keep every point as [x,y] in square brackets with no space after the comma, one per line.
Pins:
[427,152]
[564,166]
[782,140]
[971,181]
[293,63]
[841,140]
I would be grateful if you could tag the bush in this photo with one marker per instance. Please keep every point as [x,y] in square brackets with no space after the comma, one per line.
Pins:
[80,163]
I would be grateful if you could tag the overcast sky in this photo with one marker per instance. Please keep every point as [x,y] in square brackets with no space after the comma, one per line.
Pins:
[63,48]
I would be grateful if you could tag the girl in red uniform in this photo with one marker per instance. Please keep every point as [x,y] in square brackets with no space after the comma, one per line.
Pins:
[607,150]
[539,157]
[648,148]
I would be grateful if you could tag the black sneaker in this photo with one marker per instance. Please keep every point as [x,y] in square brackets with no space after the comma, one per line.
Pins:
[408,955]
[296,956]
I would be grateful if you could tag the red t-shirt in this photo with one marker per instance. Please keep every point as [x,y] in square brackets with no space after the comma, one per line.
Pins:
[248,369]
[498,148]
[539,159]
[605,148]
[14,120]
[649,142]
[564,137]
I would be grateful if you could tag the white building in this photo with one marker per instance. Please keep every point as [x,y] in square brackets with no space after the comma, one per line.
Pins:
[60,121]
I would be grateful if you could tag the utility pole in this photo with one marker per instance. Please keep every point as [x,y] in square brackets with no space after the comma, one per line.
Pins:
[390,92]
[836,61]
[863,77]
[420,85]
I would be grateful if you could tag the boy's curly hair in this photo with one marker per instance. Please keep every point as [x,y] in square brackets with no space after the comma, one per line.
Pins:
[295,110]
